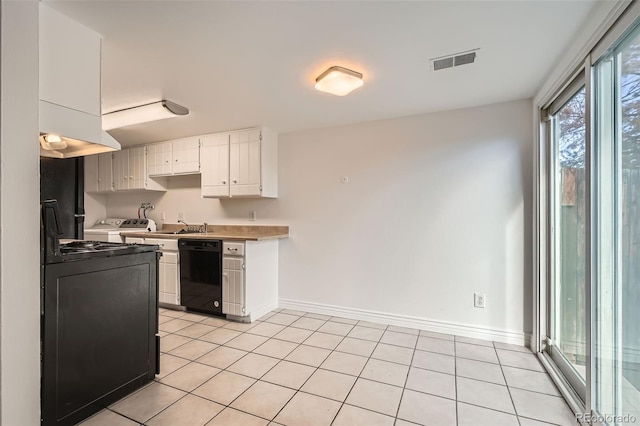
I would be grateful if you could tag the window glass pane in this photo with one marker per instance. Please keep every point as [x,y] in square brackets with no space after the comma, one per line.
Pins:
[569,328]
[617,292]
[628,221]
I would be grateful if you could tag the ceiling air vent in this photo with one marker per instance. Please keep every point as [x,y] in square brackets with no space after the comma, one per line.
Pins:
[450,61]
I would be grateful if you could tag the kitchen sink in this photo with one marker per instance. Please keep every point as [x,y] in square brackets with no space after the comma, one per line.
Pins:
[180,232]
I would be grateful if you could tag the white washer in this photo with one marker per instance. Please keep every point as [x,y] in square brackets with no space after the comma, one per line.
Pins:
[109,229]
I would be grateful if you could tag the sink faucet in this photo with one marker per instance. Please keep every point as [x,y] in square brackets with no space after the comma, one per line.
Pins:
[185,224]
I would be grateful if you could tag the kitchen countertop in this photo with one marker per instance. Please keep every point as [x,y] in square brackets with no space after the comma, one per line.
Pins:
[219,232]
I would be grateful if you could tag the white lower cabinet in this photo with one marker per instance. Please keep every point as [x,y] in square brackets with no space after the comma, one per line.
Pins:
[233,286]
[249,279]
[168,268]
[249,276]
[169,278]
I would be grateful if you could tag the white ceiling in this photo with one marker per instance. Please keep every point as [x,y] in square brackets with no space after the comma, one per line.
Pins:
[240,64]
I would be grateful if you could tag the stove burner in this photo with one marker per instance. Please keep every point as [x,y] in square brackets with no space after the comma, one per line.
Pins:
[91,246]
[81,244]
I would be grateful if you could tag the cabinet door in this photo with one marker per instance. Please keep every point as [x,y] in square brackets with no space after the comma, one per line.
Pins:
[233,289]
[105,172]
[159,159]
[244,163]
[137,168]
[91,173]
[214,154]
[186,156]
[172,280]
[121,170]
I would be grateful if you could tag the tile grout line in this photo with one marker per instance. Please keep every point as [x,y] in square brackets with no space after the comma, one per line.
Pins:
[314,372]
[404,387]
[342,404]
[507,385]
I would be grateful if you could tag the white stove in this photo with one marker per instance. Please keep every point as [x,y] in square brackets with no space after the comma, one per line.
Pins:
[109,229]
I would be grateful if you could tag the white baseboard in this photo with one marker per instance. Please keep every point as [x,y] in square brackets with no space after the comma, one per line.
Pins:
[458,329]
[264,309]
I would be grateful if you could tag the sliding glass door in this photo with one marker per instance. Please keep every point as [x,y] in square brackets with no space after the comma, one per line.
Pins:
[566,335]
[589,230]
[617,290]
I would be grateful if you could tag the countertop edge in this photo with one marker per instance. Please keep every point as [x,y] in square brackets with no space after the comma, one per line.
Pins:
[204,236]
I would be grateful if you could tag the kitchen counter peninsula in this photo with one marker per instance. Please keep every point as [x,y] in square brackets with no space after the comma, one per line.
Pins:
[248,271]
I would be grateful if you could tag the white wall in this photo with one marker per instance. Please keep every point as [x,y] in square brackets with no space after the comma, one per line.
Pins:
[95,208]
[437,207]
[184,197]
[19,216]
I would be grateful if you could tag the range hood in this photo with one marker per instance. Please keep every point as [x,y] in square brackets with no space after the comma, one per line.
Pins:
[67,133]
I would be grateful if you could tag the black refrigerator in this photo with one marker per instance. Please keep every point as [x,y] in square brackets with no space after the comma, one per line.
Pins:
[63,180]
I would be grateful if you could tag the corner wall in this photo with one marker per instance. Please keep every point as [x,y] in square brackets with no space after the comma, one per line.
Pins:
[19,215]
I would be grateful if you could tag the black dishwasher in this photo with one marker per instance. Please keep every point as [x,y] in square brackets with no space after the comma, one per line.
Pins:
[201,275]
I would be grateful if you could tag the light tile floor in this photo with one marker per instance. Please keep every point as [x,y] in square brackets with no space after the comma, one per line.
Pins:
[302,369]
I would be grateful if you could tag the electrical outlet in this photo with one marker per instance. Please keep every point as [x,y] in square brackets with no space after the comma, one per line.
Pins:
[164,216]
[180,216]
[479,300]
[252,215]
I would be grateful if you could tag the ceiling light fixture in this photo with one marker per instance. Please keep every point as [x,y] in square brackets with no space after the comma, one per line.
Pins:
[142,114]
[339,81]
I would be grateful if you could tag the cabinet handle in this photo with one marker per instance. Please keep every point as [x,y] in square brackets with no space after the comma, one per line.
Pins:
[224,182]
[235,181]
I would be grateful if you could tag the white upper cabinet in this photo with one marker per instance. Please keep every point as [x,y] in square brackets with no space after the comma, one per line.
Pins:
[178,157]
[244,164]
[123,170]
[159,159]
[69,62]
[129,169]
[214,169]
[138,168]
[105,172]
[98,172]
[240,164]
[185,156]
